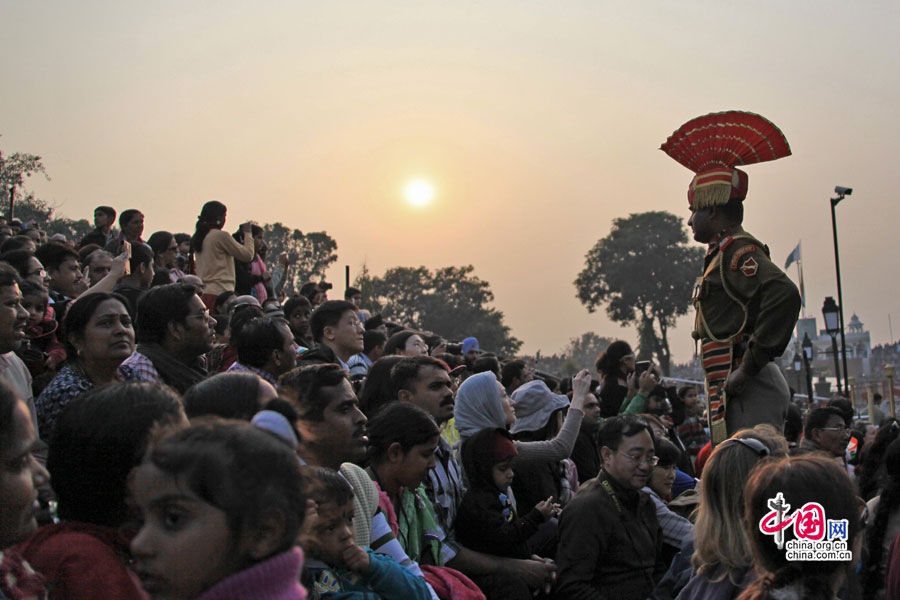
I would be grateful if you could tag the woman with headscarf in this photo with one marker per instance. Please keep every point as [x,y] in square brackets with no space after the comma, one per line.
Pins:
[482,402]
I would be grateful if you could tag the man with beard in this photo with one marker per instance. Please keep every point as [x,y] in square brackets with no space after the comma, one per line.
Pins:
[470,352]
[174,331]
[425,382]
[609,536]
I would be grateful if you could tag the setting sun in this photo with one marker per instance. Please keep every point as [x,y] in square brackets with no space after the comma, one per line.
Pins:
[418,192]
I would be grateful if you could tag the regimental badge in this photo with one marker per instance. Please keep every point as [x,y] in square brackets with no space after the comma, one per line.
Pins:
[739,253]
[749,267]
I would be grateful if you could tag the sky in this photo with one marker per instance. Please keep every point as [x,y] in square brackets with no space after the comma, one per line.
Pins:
[538,124]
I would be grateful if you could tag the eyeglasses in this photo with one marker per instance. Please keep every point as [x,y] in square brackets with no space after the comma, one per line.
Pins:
[204,315]
[39,273]
[651,461]
[841,429]
[172,249]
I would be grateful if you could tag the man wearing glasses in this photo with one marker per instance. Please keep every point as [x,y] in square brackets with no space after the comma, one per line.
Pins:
[825,431]
[609,536]
[174,331]
[338,334]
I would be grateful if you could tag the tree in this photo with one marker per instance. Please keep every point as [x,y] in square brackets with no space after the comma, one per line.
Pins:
[450,301]
[74,230]
[580,353]
[309,254]
[644,271]
[26,206]
[584,350]
[13,171]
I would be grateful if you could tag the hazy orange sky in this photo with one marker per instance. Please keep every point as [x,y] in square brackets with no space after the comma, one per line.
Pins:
[537,122]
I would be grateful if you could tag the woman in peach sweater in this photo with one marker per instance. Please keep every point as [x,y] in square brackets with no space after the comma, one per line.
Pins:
[213,252]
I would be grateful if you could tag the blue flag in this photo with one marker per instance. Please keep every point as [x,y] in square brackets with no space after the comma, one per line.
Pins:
[794,256]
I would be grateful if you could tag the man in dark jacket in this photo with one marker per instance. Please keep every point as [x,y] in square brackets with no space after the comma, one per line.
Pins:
[609,537]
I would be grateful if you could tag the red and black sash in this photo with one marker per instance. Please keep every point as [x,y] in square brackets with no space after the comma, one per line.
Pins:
[718,361]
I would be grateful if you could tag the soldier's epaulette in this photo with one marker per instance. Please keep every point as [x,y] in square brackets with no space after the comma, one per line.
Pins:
[739,253]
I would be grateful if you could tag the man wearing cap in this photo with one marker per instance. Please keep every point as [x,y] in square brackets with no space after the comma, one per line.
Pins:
[746,306]
[470,352]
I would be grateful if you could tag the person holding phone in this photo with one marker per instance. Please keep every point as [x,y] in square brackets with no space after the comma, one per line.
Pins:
[640,385]
[213,252]
[618,368]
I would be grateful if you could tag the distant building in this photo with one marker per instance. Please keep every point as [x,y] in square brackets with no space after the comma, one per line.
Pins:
[859,349]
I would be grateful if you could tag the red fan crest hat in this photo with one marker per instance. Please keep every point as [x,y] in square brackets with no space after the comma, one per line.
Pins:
[714,145]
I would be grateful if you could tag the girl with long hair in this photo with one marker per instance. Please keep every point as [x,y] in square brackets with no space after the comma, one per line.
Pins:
[614,365]
[213,252]
[721,553]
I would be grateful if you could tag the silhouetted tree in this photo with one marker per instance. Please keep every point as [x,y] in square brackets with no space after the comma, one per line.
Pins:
[644,271]
[450,301]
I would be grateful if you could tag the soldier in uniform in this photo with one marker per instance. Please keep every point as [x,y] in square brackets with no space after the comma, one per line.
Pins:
[746,306]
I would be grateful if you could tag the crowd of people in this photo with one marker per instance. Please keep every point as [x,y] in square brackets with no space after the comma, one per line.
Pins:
[176,424]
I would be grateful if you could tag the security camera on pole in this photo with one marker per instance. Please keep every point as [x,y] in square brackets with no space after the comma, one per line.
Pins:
[841,192]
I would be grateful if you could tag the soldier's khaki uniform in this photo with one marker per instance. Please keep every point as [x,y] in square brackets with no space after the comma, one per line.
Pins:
[746,306]
[746,311]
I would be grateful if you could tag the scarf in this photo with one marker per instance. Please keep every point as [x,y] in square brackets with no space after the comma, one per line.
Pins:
[478,405]
[417,526]
[175,373]
[258,268]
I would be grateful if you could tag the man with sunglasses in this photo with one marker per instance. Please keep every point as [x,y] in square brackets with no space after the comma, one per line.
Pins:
[609,535]
[174,331]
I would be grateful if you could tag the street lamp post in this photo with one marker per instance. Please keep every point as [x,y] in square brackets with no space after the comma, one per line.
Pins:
[841,192]
[807,359]
[889,373]
[830,312]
